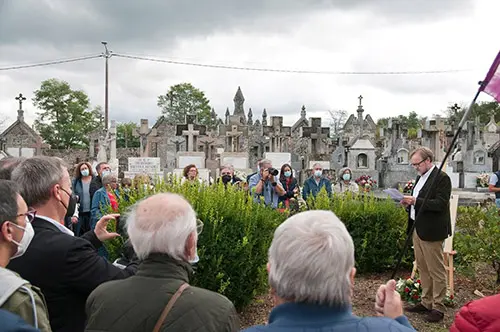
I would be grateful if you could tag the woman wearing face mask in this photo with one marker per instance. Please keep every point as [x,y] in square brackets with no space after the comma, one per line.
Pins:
[289,183]
[81,187]
[346,182]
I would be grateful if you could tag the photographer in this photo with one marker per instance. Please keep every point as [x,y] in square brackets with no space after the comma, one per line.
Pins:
[265,183]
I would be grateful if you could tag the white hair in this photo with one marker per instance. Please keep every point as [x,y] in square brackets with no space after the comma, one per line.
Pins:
[311,259]
[162,224]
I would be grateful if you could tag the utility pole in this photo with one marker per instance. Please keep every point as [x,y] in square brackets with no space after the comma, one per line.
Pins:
[107,54]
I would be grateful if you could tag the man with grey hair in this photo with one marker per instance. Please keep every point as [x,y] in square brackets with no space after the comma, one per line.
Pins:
[315,183]
[163,230]
[311,274]
[266,185]
[227,175]
[66,268]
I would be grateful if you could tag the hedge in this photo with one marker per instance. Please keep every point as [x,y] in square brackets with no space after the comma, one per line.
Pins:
[237,234]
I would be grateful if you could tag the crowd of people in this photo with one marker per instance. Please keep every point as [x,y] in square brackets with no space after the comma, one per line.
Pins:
[53,278]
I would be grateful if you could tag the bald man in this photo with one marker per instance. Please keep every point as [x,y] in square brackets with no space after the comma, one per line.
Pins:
[163,230]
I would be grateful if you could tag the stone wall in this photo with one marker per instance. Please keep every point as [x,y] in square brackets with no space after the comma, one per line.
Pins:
[393,174]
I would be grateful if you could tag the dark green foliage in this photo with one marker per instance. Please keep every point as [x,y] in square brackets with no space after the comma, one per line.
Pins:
[237,234]
[477,237]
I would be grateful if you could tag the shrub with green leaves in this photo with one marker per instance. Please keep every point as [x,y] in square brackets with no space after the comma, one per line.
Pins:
[237,234]
[378,227]
[477,237]
[233,245]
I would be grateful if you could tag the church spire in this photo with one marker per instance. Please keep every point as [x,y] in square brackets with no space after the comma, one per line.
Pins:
[239,100]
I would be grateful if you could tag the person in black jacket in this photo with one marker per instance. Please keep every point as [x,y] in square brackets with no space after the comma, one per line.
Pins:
[66,268]
[431,229]
[289,183]
[102,169]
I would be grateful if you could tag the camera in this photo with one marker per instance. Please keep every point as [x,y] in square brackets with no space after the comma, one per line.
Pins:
[273,171]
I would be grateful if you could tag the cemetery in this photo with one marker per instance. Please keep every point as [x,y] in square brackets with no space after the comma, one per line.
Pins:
[237,230]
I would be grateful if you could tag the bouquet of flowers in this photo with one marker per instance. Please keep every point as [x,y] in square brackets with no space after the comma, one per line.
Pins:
[366,182]
[409,289]
[482,180]
[409,187]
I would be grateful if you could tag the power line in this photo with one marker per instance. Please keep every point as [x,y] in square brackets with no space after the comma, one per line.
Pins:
[50,63]
[152,59]
[228,67]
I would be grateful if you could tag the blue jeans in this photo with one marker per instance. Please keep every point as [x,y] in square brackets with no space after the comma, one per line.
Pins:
[497,202]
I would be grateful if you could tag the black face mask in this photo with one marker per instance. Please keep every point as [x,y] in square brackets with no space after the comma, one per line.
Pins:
[226,178]
[70,209]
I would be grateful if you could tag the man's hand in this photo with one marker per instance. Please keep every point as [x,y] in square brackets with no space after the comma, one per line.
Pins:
[265,174]
[388,301]
[74,220]
[101,230]
[408,200]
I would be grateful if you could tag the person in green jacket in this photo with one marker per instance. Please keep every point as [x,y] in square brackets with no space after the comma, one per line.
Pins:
[16,294]
[163,230]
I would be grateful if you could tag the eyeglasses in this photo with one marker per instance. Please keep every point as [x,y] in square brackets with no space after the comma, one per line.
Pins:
[199,226]
[418,164]
[30,215]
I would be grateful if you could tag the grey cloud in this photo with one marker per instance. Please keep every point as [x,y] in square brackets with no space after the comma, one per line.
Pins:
[63,23]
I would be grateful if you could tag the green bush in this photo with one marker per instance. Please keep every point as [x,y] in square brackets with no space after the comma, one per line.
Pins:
[237,234]
[477,237]
[378,228]
[235,239]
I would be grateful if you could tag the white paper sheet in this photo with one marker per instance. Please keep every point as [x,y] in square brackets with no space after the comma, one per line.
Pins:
[394,193]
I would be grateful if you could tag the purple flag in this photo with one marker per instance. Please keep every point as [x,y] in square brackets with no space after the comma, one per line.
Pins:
[491,84]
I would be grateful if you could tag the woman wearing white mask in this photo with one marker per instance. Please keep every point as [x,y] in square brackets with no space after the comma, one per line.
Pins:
[346,182]
[16,294]
[81,187]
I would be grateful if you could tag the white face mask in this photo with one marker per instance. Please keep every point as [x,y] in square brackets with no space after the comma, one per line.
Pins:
[318,173]
[22,246]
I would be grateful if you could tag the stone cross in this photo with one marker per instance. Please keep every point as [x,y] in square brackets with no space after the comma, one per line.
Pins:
[143,133]
[277,133]
[261,143]
[20,112]
[178,145]
[190,130]
[233,138]
[38,146]
[360,100]
[20,98]
[208,143]
[191,137]
[317,134]
[112,139]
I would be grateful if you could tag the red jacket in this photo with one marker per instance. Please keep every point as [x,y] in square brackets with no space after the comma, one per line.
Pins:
[478,316]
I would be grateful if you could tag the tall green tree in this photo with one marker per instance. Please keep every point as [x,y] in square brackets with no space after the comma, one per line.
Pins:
[411,121]
[182,99]
[483,110]
[65,120]
[125,135]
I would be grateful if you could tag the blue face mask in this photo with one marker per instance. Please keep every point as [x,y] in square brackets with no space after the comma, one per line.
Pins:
[288,174]
[85,172]
[346,177]
[105,173]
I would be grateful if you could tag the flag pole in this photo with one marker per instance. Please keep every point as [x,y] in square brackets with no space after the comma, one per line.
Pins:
[434,180]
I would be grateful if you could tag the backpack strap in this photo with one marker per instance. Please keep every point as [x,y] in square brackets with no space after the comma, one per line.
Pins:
[169,306]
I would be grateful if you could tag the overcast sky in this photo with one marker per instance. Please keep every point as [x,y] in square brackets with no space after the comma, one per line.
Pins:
[314,35]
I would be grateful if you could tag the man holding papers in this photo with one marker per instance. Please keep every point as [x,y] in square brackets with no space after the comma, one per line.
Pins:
[431,229]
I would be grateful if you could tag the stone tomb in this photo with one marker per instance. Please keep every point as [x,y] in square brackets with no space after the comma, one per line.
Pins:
[195,158]
[144,165]
[324,164]
[278,159]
